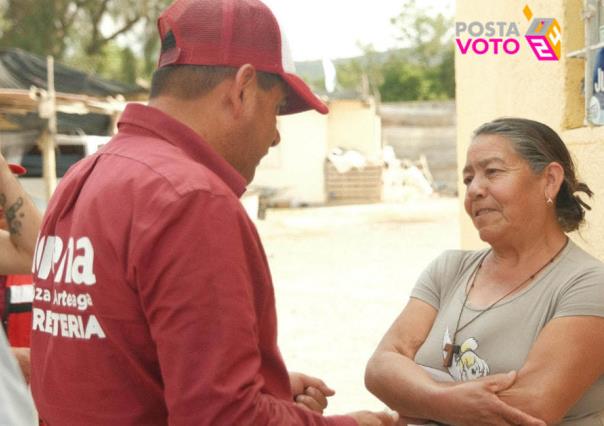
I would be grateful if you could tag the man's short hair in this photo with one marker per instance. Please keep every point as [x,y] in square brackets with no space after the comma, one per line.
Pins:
[195,81]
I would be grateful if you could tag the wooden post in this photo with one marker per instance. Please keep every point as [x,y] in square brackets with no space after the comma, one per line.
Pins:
[49,163]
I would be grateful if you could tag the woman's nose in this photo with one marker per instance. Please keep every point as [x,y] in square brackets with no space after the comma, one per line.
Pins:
[476,188]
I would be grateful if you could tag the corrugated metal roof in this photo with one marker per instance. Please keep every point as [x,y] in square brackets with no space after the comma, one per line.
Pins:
[21,70]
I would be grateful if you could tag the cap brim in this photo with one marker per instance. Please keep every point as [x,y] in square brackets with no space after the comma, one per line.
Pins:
[17,169]
[301,98]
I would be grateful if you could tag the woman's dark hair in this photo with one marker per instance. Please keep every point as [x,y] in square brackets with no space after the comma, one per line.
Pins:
[539,145]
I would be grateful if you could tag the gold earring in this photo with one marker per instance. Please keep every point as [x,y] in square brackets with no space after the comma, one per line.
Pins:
[549,201]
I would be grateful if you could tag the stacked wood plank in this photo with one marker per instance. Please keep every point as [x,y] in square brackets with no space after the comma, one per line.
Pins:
[354,186]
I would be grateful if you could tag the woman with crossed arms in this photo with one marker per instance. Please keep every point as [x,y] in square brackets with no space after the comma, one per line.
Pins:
[516,328]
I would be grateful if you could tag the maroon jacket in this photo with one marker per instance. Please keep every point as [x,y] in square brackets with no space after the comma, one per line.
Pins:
[154,302]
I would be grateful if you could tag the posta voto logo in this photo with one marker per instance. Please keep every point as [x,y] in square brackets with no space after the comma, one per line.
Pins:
[503,38]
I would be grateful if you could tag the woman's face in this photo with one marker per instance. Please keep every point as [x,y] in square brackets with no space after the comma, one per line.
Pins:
[504,198]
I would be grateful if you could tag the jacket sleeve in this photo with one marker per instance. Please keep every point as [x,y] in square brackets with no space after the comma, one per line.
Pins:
[200,302]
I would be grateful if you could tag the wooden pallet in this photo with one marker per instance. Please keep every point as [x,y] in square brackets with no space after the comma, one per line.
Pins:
[355,186]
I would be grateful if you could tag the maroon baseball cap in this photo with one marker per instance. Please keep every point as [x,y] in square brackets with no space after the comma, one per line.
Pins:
[233,33]
[17,169]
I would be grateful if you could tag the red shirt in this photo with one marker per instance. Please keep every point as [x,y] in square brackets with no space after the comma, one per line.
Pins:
[154,302]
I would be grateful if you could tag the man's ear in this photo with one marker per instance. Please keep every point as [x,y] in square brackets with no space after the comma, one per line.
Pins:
[554,176]
[243,89]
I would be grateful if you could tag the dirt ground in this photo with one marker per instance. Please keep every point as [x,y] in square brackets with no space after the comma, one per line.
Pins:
[342,275]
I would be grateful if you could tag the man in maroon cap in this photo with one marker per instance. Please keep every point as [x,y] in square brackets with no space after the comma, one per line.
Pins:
[154,303]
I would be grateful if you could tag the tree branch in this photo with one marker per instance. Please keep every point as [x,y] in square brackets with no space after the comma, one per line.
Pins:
[129,24]
[99,42]
[95,18]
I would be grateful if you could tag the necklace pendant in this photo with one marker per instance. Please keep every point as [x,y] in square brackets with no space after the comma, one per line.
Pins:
[450,349]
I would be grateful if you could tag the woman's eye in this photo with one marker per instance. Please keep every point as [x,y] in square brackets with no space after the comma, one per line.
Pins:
[491,171]
[467,180]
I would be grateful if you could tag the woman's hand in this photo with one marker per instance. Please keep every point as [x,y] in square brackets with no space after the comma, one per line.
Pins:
[476,403]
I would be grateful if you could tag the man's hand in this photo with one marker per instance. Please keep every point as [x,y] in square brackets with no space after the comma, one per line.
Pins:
[368,418]
[309,392]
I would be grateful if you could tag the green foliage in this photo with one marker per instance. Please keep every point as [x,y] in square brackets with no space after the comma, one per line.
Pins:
[427,35]
[402,82]
[150,54]
[128,69]
[427,69]
[424,69]
[33,25]
[112,62]
[86,33]
[364,74]
[349,73]
[446,72]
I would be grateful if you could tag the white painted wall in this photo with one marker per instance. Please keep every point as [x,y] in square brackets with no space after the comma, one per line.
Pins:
[296,165]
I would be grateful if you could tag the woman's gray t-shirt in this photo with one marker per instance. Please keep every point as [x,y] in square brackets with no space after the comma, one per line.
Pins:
[500,340]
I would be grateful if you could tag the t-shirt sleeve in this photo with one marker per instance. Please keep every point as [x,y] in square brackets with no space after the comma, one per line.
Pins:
[430,284]
[584,296]
[197,293]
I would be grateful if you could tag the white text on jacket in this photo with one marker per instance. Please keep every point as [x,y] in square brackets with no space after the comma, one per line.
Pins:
[57,266]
